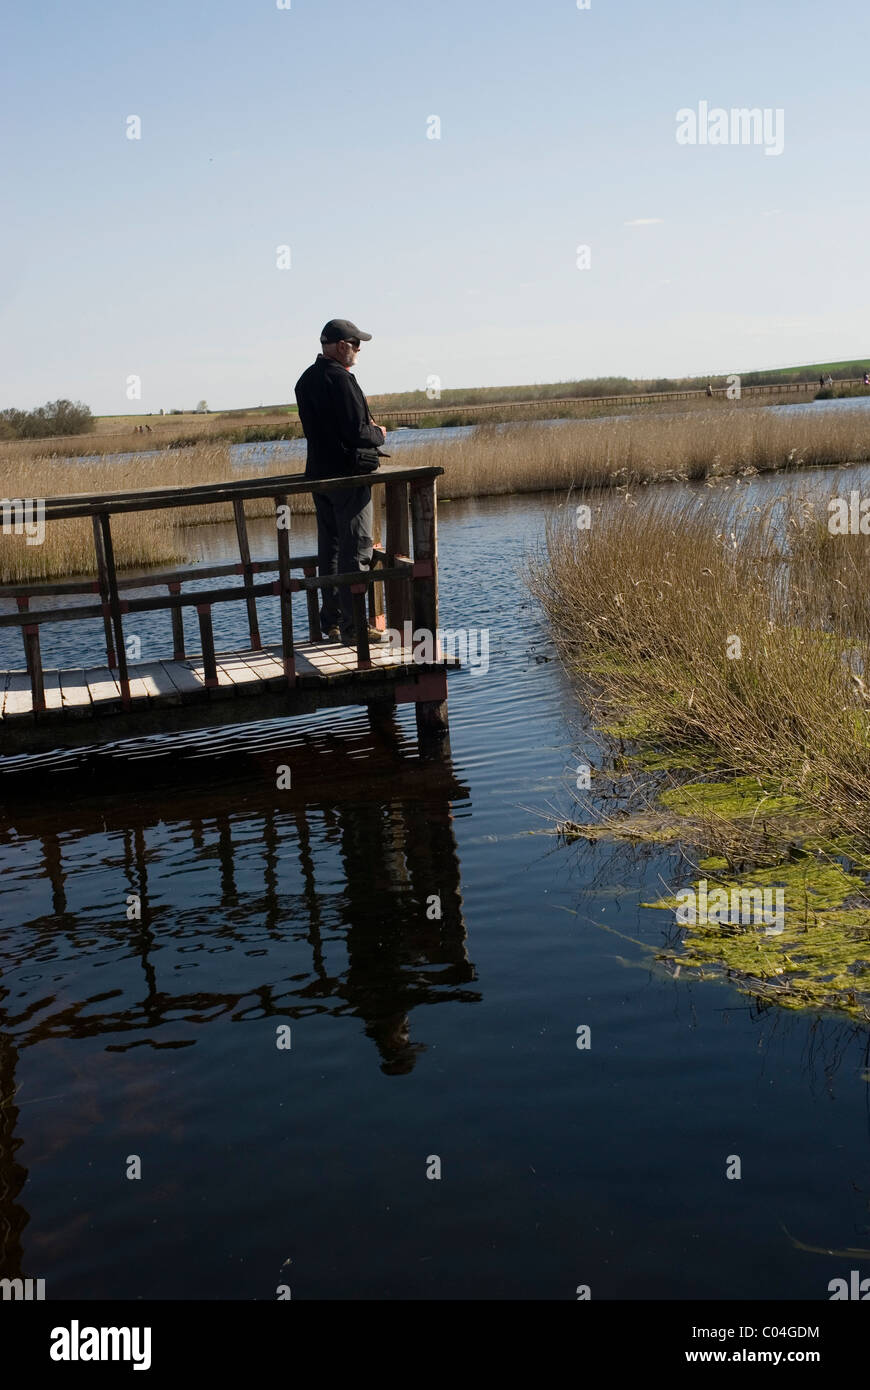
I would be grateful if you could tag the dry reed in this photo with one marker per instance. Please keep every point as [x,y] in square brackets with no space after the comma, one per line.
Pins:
[492,460]
[741,635]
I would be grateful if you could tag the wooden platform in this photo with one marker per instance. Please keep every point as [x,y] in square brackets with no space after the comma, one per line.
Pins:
[47,710]
[84,705]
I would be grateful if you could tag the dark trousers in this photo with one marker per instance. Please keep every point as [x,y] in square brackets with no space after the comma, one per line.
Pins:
[344,545]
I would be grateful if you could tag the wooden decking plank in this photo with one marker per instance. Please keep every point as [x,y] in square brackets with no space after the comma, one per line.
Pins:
[17,699]
[224,687]
[159,688]
[53,695]
[238,672]
[266,669]
[75,694]
[303,666]
[185,680]
[139,690]
[104,689]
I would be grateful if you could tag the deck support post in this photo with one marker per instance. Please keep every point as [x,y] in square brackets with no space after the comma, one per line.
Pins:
[433,729]
[398,594]
[315,633]
[424,533]
[177,624]
[34,666]
[431,715]
[115,608]
[103,580]
[247,571]
[360,627]
[206,632]
[377,616]
[285,588]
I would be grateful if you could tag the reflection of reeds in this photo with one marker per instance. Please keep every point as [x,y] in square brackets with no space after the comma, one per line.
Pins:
[645,606]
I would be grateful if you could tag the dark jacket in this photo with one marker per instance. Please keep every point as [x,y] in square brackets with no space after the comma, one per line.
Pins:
[335,417]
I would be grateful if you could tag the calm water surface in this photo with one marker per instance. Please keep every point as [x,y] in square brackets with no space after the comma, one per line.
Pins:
[411,1036]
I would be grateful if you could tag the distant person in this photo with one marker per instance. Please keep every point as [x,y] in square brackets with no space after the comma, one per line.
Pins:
[337,422]
[867,378]
[821,382]
[709,389]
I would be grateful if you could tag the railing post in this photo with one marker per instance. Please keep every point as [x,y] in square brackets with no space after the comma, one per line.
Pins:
[209,664]
[398,544]
[424,533]
[314,630]
[177,624]
[34,666]
[430,715]
[115,607]
[102,575]
[285,588]
[245,556]
[360,627]
[376,591]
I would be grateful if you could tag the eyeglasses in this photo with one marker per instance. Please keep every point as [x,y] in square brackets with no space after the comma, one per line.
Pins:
[353,342]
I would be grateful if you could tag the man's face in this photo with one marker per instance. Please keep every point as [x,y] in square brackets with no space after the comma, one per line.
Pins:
[348,351]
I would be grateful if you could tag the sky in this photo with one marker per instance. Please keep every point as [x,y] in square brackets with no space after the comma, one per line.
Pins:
[309,127]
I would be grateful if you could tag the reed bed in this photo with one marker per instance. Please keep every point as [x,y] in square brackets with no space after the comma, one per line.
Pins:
[492,460]
[140,538]
[605,453]
[744,636]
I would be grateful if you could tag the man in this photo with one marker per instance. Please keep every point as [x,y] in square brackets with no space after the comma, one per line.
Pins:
[336,421]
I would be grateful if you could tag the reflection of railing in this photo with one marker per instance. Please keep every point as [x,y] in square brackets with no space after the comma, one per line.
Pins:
[335,877]
[405,568]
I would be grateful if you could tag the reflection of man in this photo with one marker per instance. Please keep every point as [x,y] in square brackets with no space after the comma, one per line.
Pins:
[336,420]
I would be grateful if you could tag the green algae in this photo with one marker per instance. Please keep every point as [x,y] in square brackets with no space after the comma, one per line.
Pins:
[737,799]
[821,956]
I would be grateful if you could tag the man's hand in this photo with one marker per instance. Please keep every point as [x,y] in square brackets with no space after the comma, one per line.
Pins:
[380,427]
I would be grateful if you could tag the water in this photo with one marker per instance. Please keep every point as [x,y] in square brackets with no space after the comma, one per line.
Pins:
[412,1036]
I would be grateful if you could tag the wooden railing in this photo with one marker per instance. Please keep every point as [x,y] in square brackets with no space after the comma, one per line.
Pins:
[402,583]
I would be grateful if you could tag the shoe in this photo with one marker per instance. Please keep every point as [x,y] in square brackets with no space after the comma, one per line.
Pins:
[333,634]
[375,635]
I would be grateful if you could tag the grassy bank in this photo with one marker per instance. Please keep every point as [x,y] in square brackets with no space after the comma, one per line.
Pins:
[736,646]
[492,461]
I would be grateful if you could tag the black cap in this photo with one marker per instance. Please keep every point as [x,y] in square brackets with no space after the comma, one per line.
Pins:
[342,330]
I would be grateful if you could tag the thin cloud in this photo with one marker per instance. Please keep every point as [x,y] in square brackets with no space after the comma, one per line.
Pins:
[643,222]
